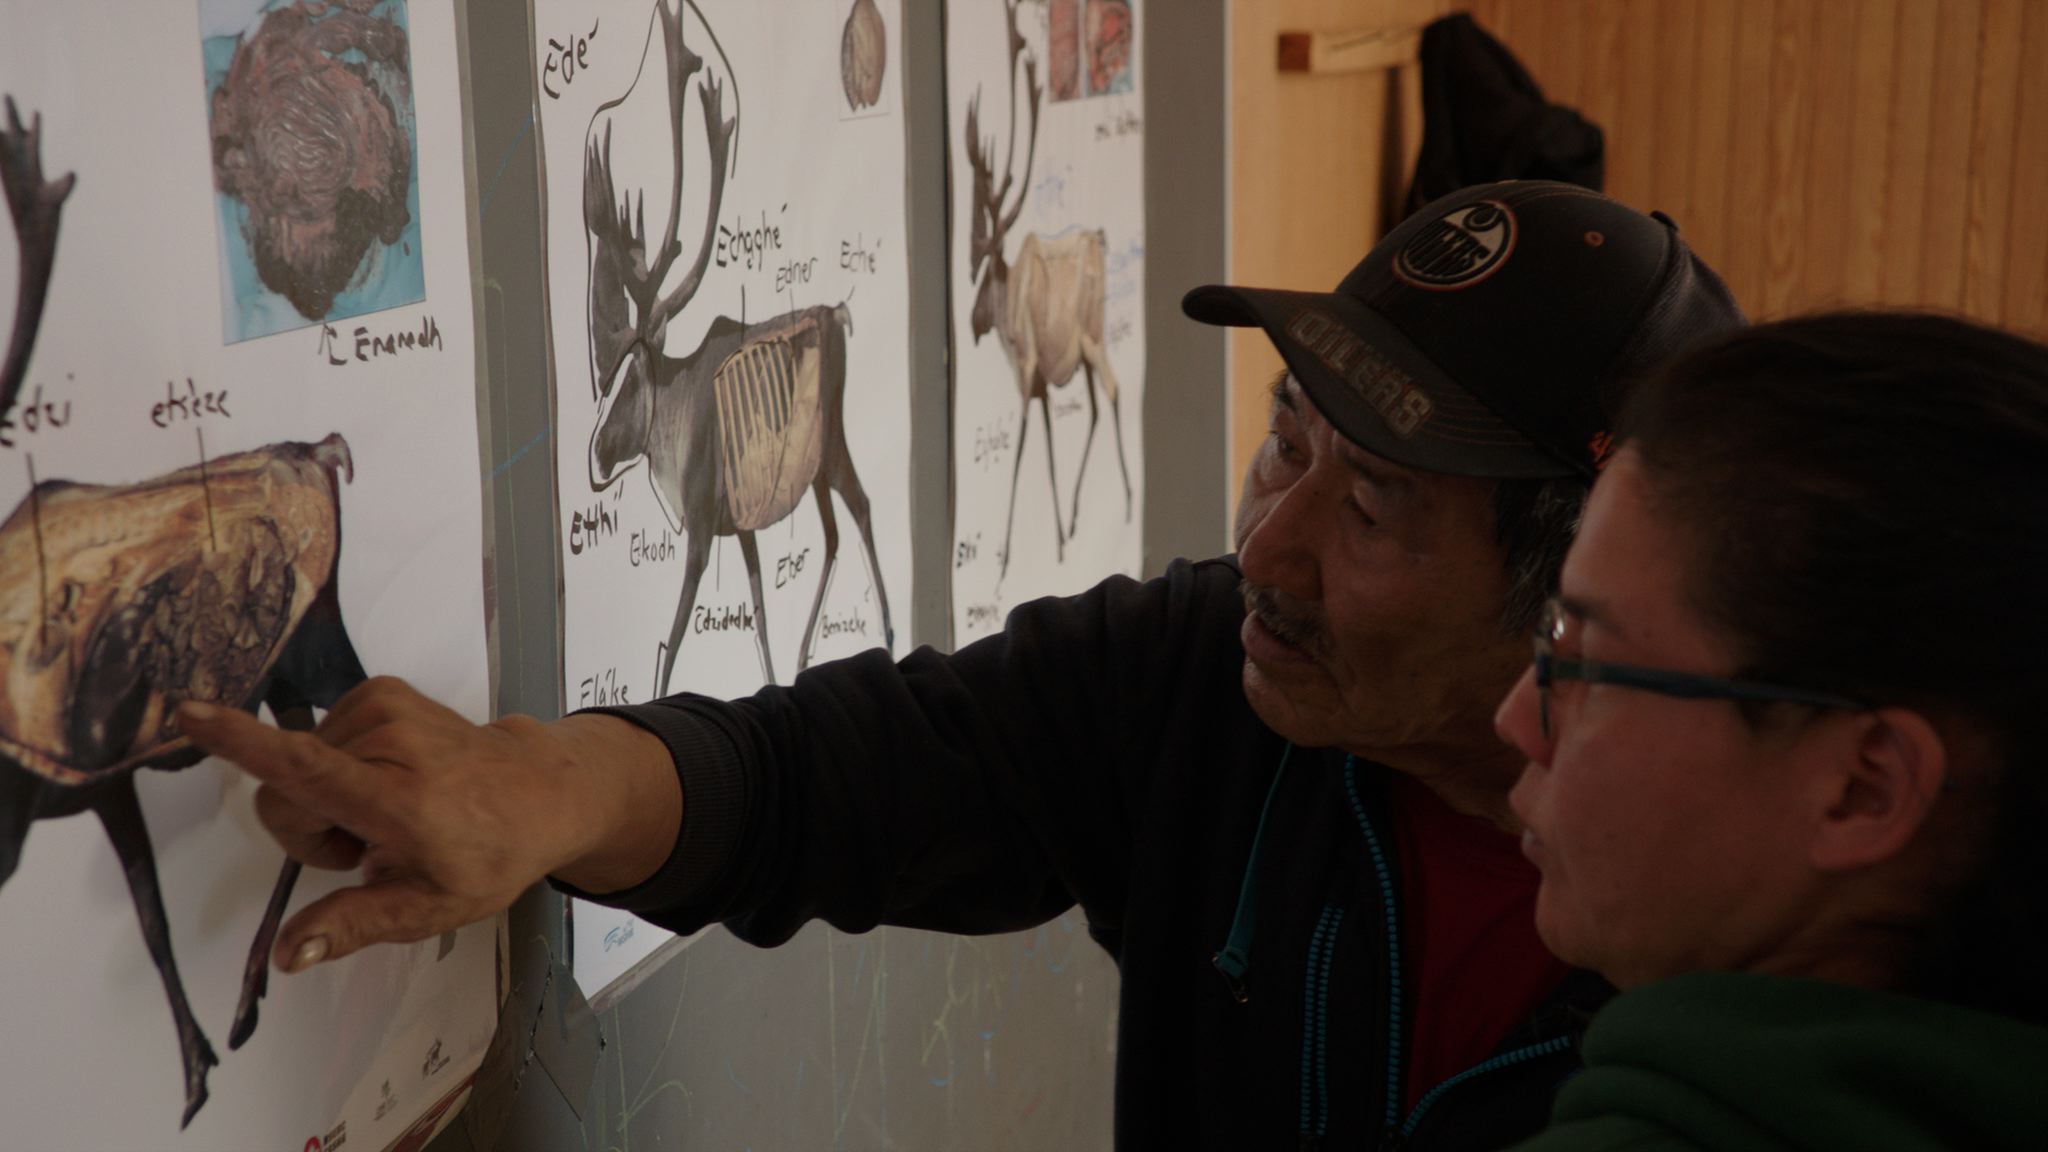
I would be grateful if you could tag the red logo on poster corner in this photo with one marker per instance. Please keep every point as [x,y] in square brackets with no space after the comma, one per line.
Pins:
[312,1144]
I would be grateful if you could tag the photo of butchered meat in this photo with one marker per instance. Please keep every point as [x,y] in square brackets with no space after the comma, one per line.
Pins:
[313,152]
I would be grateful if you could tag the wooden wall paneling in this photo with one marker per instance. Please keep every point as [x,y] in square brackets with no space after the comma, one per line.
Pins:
[1902,234]
[1823,214]
[1497,17]
[1791,139]
[1826,66]
[1748,167]
[1944,235]
[1564,50]
[2026,274]
[1706,223]
[1991,156]
[1600,81]
[1671,59]
[1635,113]
[1873,53]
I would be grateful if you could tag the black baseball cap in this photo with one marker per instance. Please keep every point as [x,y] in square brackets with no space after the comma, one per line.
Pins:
[1490,333]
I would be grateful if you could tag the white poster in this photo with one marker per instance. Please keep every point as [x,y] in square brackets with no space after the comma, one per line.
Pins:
[1046,132]
[238,464]
[729,319]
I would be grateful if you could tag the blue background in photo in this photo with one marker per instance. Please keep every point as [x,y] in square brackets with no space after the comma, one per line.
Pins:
[390,276]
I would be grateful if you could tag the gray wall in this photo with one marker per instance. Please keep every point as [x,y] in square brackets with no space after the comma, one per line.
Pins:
[894,1039]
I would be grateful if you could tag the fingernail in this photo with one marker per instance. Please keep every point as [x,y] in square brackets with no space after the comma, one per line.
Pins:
[313,951]
[197,710]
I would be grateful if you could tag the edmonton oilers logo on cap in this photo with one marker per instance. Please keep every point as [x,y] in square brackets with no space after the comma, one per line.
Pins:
[1460,249]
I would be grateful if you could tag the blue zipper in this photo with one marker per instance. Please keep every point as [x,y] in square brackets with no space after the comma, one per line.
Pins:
[1507,1059]
[1315,1027]
[1504,1060]
[1387,902]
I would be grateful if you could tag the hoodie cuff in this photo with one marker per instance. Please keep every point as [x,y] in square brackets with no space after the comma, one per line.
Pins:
[713,779]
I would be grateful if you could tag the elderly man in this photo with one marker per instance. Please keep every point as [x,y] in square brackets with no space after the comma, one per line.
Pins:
[1271,782]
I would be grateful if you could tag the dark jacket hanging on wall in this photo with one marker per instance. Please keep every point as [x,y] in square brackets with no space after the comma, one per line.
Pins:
[1484,119]
[1100,751]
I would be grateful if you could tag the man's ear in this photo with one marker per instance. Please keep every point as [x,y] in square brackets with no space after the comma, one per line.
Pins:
[1890,775]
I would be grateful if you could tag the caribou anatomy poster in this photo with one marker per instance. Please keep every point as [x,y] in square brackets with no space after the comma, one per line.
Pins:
[237,465]
[1046,133]
[728,302]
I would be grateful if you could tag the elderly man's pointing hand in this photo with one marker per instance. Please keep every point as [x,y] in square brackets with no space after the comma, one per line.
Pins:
[449,820]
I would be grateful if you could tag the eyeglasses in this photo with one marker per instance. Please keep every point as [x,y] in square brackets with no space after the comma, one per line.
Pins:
[1550,669]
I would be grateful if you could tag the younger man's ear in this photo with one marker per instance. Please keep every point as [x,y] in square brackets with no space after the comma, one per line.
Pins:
[1889,778]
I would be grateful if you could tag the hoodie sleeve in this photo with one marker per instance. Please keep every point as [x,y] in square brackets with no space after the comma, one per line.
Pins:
[982,791]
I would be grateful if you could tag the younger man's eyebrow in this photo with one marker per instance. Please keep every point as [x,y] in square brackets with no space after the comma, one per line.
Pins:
[1591,612]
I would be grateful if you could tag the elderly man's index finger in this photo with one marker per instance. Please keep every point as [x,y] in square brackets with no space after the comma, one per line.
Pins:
[302,767]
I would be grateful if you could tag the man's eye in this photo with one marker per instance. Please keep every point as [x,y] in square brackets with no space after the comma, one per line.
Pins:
[1284,446]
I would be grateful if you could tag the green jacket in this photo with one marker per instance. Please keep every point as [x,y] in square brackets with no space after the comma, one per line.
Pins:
[1761,1063]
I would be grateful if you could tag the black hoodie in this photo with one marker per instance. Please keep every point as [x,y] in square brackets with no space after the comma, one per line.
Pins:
[1100,751]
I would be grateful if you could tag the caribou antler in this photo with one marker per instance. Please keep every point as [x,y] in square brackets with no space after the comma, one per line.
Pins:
[628,270]
[993,217]
[36,205]
[718,131]
[620,272]
[981,162]
[681,65]
[1016,49]
[1031,150]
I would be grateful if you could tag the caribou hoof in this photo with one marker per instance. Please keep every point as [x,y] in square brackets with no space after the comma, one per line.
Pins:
[198,1058]
[245,1020]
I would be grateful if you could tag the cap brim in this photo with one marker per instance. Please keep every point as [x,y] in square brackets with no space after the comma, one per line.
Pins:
[1380,390]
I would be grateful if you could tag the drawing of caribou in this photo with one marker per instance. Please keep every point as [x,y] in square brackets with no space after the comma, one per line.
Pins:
[1045,307]
[734,433]
[117,602]
[37,206]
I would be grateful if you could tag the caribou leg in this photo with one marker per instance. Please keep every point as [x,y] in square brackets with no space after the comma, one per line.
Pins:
[1116,425]
[752,555]
[297,716]
[697,551]
[1098,356]
[319,666]
[256,969]
[831,523]
[1016,471]
[1052,473]
[856,497]
[121,815]
[19,791]
[316,669]
[1087,446]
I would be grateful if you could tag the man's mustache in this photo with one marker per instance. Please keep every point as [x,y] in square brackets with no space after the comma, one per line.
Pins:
[1293,621]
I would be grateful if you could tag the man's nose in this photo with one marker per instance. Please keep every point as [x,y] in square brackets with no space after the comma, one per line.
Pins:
[1283,549]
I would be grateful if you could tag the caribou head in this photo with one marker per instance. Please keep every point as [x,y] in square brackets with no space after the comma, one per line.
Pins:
[990,215]
[629,313]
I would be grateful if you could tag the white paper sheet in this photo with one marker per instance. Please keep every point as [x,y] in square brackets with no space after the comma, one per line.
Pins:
[809,227]
[1055,274]
[167,342]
